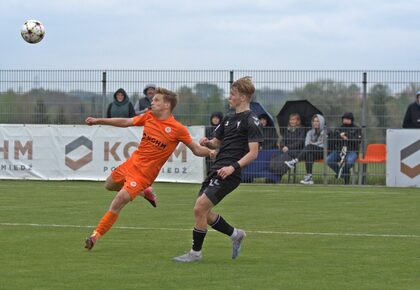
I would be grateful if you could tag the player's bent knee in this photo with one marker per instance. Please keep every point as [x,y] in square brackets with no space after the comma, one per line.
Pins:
[112,186]
[201,207]
[198,211]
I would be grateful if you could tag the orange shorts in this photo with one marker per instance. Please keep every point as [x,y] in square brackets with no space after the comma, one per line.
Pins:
[134,182]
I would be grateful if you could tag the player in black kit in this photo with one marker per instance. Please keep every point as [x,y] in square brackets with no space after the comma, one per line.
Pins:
[237,139]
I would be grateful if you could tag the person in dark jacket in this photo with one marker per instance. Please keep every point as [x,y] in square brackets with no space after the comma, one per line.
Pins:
[215,119]
[269,132]
[412,116]
[291,143]
[345,141]
[143,104]
[293,139]
[121,107]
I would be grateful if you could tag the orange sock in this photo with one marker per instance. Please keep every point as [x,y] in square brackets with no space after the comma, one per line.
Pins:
[106,223]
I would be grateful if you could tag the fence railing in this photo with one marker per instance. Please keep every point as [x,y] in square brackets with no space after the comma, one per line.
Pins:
[335,161]
[378,99]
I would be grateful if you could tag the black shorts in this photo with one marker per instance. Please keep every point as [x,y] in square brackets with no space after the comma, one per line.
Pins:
[216,188]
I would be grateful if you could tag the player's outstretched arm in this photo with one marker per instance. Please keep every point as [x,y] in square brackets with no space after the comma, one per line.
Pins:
[199,150]
[117,122]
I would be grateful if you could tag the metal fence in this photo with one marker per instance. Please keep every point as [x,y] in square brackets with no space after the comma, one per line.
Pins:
[378,99]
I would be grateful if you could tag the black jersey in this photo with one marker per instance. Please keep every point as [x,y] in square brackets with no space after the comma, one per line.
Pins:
[235,132]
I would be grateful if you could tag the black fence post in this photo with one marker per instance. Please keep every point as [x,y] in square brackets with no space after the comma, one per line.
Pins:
[230,86]
[363,168]
[103,93]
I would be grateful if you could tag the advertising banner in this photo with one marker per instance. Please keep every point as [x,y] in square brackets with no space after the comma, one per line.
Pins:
[79,152]
[403,157]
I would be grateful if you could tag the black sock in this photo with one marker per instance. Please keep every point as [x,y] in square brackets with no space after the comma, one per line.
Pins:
[222,226]
[198,239]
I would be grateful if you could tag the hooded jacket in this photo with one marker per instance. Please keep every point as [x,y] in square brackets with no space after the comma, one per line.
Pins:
[412,115]
[269,133]
[314,138]
[123,109]
[210,129]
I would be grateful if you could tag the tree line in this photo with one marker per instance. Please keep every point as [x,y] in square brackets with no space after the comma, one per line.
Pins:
[386,107]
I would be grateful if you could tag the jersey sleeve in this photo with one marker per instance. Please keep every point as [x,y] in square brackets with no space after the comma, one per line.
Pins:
[184,136]
[254,130]
[140,120]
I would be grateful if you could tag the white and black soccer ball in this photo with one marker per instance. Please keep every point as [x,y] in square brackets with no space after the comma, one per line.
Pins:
[32,31]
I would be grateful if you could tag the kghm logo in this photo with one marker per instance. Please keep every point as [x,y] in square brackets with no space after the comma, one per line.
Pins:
[153,140]
[80,144]
[406,152]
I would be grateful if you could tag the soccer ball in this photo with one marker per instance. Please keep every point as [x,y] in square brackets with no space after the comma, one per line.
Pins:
[32,31]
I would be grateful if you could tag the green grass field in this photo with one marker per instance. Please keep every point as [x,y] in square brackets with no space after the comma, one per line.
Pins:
[298,237]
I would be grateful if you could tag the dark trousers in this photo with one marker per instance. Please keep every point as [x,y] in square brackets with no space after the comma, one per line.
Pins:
[309,154]
[350,159]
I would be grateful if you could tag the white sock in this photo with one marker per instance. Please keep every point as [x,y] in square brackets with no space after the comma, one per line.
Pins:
[195,253]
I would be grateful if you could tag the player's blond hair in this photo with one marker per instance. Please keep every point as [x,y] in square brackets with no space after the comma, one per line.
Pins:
[244,86]
[168,97]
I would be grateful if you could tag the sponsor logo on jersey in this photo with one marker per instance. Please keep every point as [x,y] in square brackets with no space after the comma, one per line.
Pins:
[153,140]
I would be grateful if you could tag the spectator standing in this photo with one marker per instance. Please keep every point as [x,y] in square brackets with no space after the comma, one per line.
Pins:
[412,115]
[143,104]
[121,107]
[215,119]
[269,132]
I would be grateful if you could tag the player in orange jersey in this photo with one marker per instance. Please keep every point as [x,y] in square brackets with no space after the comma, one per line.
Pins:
[161,135]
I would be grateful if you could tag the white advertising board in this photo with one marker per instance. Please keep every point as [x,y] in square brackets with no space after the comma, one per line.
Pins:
[403,157]
[78,152]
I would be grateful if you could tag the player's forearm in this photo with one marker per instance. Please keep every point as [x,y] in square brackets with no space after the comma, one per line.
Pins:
[202,151]
[199,150]
[213,144]
[117,122]
[248,158]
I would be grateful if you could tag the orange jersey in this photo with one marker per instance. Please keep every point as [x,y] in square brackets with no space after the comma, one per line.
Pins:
[160,139]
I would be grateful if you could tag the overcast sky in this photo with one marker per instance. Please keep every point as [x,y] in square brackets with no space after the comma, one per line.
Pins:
[213,34]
